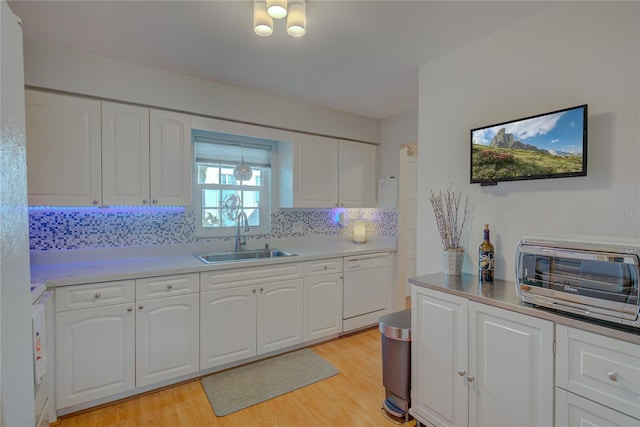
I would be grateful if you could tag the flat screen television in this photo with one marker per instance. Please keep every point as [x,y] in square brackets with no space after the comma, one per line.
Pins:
[550,145]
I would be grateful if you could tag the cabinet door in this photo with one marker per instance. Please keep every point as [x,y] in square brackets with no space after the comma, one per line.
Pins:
[227,326]
[63,150]
[167,338]
[125,154]
[511,360]
[170,157]
[95,353]
[322,306]
[315,172]
[280,322]
[439,360]
[358,174]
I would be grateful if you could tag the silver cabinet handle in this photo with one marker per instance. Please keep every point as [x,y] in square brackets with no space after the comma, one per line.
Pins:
[145,201]
[155,201]
[462,372]
[169,286]
[97,295]
[95,201]
[613,376]
[470,378]
[261,289]
[141,306]
[129,308]
[253,290]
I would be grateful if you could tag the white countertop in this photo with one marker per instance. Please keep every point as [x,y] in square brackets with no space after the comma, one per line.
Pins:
[100,265]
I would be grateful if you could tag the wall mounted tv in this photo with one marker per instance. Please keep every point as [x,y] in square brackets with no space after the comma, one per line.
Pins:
[550,145]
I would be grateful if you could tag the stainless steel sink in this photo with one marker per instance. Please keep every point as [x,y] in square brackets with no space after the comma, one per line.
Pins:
[248,255]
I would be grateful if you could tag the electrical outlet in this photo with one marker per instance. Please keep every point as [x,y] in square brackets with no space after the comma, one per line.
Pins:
[298,227]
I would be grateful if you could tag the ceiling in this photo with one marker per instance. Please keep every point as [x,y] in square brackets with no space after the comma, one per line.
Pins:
[358,56]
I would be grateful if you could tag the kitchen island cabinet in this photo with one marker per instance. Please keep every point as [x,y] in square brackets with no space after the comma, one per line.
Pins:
[473,364]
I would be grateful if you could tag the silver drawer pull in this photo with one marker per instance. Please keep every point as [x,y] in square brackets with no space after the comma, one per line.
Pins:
[97,295]
[613,376]
[129,308]
[470,378]
[141,306]
[462,372]
[169,286]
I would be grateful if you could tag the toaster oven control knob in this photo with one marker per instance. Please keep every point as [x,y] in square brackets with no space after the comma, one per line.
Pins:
[613,376]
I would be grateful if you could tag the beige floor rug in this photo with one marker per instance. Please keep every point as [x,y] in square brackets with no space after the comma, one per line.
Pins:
[244,386]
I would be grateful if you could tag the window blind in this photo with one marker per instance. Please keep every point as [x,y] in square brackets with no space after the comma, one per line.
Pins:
[227,149]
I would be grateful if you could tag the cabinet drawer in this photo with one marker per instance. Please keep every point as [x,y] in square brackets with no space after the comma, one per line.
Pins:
[602,369]
[232,277]
[94,295]
[322,266]
[164,286]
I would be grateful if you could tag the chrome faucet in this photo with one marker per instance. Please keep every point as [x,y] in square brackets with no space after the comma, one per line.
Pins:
[241,240]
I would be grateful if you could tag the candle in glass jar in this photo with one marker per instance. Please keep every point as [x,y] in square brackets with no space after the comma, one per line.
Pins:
[359,231]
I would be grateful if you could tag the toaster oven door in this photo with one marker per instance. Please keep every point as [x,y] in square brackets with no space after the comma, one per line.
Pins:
[600,281]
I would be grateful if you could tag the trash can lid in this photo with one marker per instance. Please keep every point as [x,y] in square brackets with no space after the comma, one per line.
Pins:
[396,325]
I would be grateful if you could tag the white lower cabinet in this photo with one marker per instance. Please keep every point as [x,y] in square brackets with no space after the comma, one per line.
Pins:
[241,322]
[323,287]
[597,379]
[574,410]
[95,353]
[111,348]
[167,338]
[474,364]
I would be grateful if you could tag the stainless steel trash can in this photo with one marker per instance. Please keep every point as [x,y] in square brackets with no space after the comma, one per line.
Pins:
[396,364]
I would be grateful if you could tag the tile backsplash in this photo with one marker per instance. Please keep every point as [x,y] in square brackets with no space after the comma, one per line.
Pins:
[63,229]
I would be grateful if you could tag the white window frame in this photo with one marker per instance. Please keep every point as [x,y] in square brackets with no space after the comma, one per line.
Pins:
[265,191]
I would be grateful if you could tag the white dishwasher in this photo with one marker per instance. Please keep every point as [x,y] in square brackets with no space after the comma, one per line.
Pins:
[366,290]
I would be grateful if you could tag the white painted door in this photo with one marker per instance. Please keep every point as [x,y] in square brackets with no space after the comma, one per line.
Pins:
[95,353]
[170,158]
[407,218]
[63,150]
[511,359]
[227,325]
[315,171]
[439,358]
[358,176]
[125,154]
[167,338]
[322,306]
[280,321]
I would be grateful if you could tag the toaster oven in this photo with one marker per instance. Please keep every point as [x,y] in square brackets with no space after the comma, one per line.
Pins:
[589,277]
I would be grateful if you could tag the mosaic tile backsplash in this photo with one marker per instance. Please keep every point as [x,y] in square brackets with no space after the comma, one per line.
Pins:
[63,229]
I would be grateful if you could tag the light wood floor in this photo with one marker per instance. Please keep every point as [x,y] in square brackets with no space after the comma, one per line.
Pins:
[352,398]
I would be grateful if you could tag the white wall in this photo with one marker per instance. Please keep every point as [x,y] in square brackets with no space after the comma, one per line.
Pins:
[569,54]
[75,71]
[395,131]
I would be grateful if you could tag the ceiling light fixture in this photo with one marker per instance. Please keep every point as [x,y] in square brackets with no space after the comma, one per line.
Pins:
[265,11]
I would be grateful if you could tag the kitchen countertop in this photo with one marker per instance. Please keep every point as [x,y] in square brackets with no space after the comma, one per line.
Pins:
[503,294]
[92,266]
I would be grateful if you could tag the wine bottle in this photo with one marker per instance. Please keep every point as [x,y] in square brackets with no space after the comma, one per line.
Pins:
[486,258]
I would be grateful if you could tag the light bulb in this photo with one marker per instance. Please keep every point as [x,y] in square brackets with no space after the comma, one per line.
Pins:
[277,9]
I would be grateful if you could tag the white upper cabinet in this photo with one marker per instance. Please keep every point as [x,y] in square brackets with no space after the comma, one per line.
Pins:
[63,150]
[170,158]
[322,172]
[125,154]
[84,152]
[358,177]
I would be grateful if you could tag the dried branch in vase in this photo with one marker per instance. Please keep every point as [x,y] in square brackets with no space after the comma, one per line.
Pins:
[446,207]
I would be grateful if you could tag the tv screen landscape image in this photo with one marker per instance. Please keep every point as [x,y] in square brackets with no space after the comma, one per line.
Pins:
[550,145]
